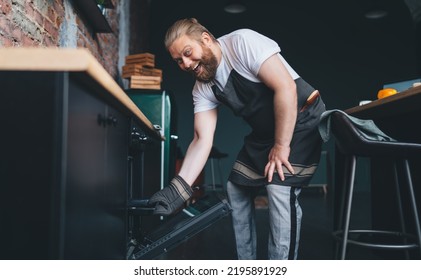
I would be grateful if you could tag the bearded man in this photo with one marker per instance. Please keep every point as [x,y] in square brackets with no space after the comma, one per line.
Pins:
[245,71]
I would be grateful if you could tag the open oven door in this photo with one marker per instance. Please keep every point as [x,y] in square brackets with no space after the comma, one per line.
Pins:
[191,220]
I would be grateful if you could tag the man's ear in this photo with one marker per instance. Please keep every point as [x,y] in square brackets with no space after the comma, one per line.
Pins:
[206,39]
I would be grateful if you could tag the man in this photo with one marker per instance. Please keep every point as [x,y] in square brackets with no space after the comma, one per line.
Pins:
[245,71]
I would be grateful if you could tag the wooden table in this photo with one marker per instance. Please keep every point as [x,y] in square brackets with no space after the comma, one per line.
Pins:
[396,115]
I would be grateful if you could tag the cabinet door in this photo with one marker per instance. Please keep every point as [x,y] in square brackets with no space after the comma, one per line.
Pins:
[94,219]
[28,170]
[114,236]
[83,213]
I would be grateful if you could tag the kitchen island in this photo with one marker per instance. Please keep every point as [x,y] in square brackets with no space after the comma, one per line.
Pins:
[72,151]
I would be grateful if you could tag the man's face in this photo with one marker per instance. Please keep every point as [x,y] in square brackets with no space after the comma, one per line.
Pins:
[194,57]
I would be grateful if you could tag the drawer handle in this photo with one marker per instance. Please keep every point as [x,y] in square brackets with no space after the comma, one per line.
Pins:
[104,121]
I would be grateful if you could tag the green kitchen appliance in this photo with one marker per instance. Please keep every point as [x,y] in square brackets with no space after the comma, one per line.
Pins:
[158,107]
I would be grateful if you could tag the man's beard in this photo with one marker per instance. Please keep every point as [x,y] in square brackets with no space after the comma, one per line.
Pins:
[209,64]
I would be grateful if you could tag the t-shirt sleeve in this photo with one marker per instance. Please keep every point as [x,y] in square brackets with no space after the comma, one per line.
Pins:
[250,49]
[255,48]
[203,98]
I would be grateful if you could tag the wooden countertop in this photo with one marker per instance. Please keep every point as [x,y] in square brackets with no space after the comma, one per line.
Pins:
[68,60]
[406,101]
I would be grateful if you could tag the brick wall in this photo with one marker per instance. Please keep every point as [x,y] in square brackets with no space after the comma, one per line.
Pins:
[58,23]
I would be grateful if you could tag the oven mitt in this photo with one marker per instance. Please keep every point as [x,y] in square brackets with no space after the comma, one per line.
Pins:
[171,198]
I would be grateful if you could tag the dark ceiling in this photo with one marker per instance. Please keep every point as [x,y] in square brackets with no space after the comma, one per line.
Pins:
[329,42]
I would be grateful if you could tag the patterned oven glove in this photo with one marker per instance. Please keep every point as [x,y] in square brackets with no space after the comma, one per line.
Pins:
[171,198]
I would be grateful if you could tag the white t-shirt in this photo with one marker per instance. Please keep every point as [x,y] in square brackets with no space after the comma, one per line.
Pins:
[243,50]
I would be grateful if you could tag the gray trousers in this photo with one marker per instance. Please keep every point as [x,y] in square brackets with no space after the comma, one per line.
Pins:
[284,220]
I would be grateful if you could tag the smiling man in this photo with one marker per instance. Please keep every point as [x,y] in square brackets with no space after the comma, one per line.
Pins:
[245,71]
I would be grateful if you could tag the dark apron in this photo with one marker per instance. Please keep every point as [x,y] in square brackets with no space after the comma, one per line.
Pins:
[254,103]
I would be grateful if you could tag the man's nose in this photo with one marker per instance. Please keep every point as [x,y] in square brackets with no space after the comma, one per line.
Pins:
[187,63]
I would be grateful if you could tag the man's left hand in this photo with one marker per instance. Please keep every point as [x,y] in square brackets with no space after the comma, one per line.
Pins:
[278,157]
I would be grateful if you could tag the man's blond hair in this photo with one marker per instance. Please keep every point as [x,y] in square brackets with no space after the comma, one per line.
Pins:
[190,27]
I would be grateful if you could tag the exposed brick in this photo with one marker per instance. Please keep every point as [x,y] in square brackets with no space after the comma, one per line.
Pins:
[50,42]
[52,16]
[16,33]
[59,21]
[37,23]
[28,41]
[5,26]
[20,2]
[38,17]
[58,7]
[6,42]
[41,5]
[50,28]
[80,42]
[5,6]
[80,23]
[18,6]
[29,10]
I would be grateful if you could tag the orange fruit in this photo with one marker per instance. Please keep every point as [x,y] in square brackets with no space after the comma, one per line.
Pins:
[386,92]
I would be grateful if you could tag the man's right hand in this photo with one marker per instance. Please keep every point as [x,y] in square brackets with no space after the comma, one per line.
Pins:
[171,198]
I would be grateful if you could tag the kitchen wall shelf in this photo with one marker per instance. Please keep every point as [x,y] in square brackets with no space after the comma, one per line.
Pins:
[94,16]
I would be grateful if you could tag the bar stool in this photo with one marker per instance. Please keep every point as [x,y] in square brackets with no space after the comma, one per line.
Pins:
[352,144]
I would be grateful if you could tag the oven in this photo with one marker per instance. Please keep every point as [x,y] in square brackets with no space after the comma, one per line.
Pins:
[144,165]
[151,236]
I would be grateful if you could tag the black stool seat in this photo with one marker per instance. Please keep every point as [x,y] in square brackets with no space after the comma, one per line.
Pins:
[352,144]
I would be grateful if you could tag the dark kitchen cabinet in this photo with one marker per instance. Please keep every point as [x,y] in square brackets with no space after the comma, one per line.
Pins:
[65,159]
[96,179]
[64,182]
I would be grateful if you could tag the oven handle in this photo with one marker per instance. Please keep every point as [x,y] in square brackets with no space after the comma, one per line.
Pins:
[140,207]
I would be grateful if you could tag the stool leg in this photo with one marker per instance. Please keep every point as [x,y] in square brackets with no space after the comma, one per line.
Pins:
[213,174]
[339,223]
[399,202]
[413,203]
[350,189]
[220,174]
[343,191]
